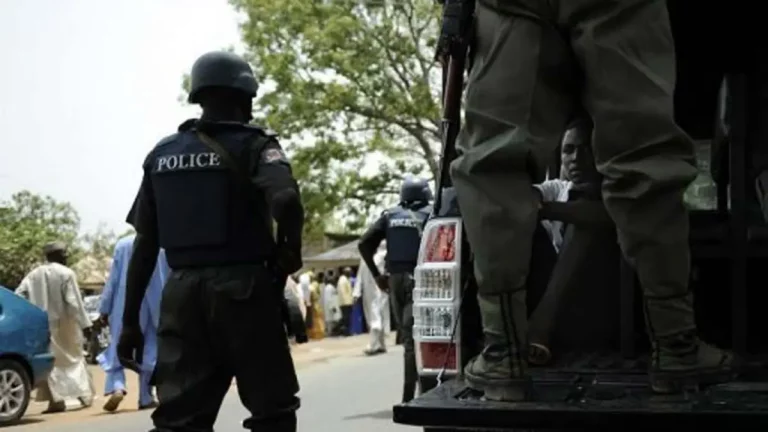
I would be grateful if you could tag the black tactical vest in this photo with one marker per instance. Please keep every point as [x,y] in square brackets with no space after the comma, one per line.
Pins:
[206,216]
[404,228]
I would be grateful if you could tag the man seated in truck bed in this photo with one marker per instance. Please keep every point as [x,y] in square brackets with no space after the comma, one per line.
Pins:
[579,171]
[590,235]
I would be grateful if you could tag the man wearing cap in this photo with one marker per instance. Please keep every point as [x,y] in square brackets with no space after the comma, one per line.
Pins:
[53,287]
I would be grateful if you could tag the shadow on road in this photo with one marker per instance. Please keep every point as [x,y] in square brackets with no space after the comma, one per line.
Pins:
[379,415]
[117,412]
[23,422]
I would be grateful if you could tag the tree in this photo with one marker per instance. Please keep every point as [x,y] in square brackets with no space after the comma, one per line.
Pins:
[27,223]
[353,85]
[99,245]
[101,242]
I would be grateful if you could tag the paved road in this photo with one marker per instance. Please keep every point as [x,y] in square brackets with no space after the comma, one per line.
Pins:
[347,394]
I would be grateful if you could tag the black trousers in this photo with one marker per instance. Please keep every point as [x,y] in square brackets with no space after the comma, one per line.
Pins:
[216,324]
[346,320]
[401,296]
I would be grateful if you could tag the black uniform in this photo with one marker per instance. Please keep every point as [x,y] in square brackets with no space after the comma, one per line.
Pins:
[401,227]
[220,314]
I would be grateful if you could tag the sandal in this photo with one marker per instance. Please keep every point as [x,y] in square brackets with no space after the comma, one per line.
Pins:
[539,355]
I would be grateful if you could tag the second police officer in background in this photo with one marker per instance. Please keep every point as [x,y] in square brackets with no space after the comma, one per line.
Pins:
[402,227]
[208,197]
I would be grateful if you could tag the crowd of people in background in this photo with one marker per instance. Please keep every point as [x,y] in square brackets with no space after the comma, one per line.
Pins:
[329,305]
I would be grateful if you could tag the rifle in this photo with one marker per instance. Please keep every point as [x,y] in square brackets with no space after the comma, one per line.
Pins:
[457,31]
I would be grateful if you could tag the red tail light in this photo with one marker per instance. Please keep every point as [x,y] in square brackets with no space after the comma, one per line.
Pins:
[433,355]
[441,243]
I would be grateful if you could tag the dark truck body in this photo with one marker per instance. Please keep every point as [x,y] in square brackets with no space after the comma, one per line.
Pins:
[591,401]
[600,381]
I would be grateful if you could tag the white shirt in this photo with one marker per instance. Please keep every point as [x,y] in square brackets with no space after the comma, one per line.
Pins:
[331,304]
[555,190]
[304,282]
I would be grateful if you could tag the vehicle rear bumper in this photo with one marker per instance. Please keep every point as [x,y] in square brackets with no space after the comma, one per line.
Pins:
[41,366]
[619,403]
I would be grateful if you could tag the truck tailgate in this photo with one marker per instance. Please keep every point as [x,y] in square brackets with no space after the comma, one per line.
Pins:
[571,401]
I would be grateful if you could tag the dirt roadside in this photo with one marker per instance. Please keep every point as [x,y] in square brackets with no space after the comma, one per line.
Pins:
[304,355]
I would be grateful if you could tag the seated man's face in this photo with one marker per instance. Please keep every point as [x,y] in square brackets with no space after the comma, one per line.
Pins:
[577,157]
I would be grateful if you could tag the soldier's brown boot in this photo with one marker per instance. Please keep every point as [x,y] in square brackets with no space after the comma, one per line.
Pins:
[500,370]
[683,361]
[679,359]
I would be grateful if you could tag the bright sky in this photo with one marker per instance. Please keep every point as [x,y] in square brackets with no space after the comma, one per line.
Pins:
[87,87]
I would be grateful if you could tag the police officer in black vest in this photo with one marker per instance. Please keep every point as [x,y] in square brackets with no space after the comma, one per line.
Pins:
[401,226]
[209,195]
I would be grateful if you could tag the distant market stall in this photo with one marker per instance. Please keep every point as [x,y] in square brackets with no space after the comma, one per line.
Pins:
[346,255]
[92,273]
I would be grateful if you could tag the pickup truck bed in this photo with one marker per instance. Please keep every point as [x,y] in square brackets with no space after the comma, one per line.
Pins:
[602,401]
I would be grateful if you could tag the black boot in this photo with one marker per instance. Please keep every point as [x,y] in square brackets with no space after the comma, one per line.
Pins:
[284,423]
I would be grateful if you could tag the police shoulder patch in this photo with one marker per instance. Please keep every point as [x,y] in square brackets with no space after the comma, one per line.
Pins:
[273,155]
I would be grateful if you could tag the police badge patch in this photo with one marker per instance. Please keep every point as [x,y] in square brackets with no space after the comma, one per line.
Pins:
[273,155]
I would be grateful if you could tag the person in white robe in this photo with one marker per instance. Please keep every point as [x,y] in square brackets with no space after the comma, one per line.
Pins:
[53,287]
[331,306]
[295,290]
[305,280]
[375,304]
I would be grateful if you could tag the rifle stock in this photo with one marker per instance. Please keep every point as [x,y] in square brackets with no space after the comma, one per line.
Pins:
[454,65]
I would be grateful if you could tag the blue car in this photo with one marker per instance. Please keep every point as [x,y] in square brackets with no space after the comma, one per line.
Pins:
[25,357]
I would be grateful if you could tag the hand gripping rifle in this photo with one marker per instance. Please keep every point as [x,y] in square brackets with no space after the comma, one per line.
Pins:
[452,52]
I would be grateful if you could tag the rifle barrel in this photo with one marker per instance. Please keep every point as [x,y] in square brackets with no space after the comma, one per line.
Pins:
[453,85]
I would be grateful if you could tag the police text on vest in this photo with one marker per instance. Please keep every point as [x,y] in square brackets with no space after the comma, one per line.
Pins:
[187,161]
[405,223]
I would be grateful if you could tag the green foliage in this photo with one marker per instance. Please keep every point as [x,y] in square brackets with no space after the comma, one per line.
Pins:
[351,85]
[27,223]
[99,247]
[101,242]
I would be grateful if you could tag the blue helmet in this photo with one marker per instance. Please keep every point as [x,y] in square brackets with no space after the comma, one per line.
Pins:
[415,190]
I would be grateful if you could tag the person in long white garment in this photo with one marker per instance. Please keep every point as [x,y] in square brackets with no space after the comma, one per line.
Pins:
[53,287]
[375,303]
[331,306]
[298,294]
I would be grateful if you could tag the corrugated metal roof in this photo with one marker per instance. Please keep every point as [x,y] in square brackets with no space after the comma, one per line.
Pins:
[92,271]
[347,252]
[344,255]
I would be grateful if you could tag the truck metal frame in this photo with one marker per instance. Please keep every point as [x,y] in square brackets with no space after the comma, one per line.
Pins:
[611,390]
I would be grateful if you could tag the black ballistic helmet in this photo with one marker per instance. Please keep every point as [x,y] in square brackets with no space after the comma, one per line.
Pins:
[221,69]
[415,190]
